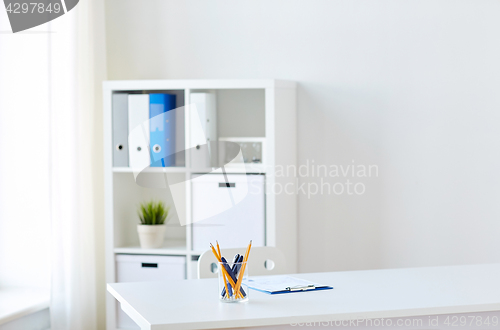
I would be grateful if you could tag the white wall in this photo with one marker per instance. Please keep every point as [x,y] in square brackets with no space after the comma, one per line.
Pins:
[411,86]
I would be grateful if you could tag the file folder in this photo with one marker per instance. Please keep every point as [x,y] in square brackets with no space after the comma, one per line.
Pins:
[120,130]
[162,129]
[138,118]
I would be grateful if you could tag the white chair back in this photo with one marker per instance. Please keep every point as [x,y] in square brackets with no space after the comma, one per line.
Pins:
[265,260]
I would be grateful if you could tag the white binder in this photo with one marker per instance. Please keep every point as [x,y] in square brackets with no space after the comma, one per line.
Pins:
[203,130]
[138,127]
[120,130]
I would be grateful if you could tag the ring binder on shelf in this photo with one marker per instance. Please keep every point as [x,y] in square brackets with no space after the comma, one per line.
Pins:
[138,116]
[120,130]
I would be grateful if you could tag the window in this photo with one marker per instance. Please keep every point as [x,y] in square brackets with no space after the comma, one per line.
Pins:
[24,157]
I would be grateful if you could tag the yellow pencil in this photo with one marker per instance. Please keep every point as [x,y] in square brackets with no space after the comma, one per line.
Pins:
[223,273]
[242,271]
[218,249]
[215,252]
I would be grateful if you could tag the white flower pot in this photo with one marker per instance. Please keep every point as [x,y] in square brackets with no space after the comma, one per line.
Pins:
[151,236]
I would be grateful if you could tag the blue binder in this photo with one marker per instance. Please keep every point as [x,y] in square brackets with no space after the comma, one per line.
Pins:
[162,129]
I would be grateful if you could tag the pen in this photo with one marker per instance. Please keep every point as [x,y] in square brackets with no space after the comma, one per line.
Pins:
[235,272]
[238,265]
[231,275]
[235,260]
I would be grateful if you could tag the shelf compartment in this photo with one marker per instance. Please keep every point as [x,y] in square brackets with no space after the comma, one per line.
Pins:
[241,113]
[128,195]
[180,134]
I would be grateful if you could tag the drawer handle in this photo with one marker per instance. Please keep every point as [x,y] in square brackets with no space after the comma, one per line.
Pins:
[227,185]
[147,265]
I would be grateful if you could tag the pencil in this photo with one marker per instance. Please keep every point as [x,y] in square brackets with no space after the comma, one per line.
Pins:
[215,252]
[223,273]
[218,249]
[242,271]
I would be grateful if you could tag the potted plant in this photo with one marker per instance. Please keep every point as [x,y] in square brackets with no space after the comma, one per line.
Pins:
[152,228]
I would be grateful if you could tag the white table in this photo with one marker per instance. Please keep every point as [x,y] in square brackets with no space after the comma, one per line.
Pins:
[357,295]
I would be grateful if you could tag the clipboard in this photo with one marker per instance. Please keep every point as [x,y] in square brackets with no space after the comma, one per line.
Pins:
[283,284]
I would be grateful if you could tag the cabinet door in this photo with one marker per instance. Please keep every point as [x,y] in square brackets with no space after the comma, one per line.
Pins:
[231,212]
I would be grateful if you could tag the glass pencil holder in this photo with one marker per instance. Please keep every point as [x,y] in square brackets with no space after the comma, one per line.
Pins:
[231,276]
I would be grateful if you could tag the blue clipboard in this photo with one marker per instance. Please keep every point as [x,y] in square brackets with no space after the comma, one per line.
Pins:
[283,284]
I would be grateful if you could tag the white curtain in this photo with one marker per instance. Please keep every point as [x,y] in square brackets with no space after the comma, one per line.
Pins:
[77,68]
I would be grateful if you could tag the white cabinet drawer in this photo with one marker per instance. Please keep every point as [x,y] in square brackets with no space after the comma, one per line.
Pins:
[231,212]
[137,268]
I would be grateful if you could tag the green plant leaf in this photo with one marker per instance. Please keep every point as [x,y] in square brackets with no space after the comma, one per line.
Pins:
[153,212]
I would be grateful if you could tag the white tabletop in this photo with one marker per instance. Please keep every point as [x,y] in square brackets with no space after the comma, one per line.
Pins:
[193,304]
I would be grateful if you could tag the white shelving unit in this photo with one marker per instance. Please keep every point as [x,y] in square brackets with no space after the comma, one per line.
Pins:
[245,108]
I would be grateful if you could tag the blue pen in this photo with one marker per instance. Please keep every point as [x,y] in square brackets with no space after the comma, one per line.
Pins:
[238,265]
[235,260]
[236,270]
[230,272]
